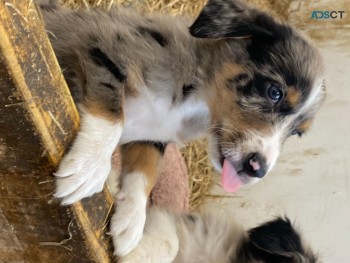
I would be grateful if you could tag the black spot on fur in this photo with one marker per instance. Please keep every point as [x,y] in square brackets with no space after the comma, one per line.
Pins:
[274,242]
[247,89]
[108,85]
[260,49]
[101,59]
[241,77]
[290,79]
[187,90]
[160,146]
[238,81]
[277,236]
[158,37]
[278,31]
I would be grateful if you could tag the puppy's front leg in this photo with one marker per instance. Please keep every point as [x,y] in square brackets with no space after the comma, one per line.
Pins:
[140,169]
[85,168]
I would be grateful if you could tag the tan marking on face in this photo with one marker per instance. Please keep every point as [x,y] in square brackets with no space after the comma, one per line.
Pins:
[304,126]
[234,126]
[229,71]
[224,109]
[143,158]
[221,99]
[293,97]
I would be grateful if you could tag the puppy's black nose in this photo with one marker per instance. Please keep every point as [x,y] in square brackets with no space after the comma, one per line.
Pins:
[255,165]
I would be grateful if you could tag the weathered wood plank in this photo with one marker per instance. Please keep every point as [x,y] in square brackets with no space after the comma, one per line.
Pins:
[38,120]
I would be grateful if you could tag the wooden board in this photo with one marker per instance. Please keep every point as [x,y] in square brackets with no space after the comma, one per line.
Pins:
[38,121]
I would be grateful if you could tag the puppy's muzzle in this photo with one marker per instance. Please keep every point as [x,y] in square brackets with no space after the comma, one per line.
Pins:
[255,165]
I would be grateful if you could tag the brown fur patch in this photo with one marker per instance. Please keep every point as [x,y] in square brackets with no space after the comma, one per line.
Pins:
[142,158]
[293,97]
[221,94]
[222,103]
[113,115]
[304,126]
[234,124]
[229,71]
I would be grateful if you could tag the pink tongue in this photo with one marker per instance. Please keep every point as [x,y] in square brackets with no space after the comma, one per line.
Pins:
[229,178]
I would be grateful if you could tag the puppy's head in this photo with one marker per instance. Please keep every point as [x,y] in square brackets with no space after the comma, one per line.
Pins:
[275,241]
[265,82]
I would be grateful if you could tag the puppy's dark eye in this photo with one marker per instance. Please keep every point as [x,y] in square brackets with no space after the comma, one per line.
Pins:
[296,132]
[274,93]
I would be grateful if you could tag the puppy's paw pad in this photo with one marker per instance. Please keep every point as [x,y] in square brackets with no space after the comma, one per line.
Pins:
[128,223]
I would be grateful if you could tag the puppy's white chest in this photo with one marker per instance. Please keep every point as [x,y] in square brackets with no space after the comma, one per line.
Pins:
[154,117]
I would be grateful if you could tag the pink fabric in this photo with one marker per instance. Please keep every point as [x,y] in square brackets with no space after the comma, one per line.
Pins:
[171,190]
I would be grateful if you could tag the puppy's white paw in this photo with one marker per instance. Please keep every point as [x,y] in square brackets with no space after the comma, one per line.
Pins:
[85,168]
[128,222]
[80,175]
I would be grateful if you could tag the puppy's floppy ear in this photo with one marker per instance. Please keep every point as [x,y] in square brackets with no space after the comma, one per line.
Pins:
[231,19]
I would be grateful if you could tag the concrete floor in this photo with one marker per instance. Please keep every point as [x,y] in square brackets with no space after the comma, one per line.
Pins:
[311,181]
